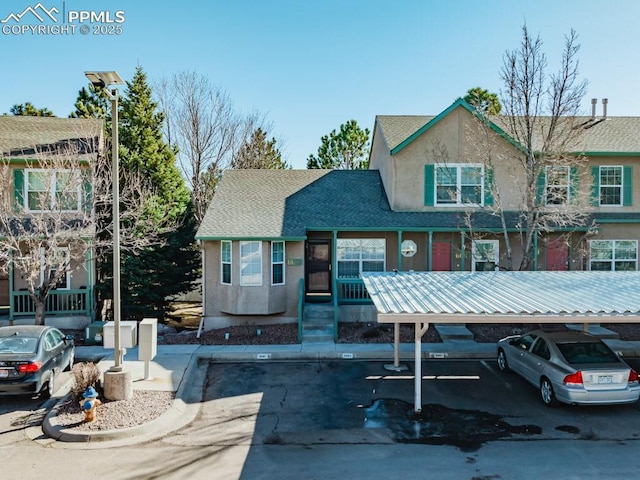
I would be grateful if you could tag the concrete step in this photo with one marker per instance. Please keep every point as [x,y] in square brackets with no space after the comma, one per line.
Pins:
[450,332]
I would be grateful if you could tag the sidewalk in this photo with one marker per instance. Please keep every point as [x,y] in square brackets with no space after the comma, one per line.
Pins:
[182,369]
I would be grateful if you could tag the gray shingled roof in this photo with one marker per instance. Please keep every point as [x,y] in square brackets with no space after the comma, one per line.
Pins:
[21,136]
[287,203]
[615,134]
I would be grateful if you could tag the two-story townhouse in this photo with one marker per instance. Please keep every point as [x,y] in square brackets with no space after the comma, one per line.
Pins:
[47,197]
[293,245]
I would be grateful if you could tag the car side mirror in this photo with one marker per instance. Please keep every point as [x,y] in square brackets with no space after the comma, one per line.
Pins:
[68,338]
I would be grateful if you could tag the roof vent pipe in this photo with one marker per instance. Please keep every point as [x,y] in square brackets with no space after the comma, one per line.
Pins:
[604,108]
[594,101]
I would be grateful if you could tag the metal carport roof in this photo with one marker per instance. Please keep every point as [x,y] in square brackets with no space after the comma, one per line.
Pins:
[500,297]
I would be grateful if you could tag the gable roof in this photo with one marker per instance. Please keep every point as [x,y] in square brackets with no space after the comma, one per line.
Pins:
[22,136]
[285,204]
[613,135]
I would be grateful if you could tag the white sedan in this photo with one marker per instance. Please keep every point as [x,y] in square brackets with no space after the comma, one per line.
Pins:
[571,367]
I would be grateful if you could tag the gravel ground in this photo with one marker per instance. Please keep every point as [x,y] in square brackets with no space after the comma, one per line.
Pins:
[143,407]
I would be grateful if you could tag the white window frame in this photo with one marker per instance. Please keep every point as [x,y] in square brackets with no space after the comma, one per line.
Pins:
[602,185]
[458,184]
[67,278]
[275,262]
[613,260]
[251,261]
[224,262]
[358,253]
[474,256]
[50,184]
[548,173]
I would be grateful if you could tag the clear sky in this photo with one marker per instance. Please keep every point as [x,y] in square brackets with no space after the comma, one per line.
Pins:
[312,65]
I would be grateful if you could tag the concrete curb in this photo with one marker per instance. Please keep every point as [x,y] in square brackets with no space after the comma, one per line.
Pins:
[183,411]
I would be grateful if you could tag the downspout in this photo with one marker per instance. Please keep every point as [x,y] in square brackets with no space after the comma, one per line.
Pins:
[203,283]
[11,299]
[90,281]
[334,284]
[399,250]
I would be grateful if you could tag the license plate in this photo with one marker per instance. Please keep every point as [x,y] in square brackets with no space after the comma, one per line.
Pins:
[605,378]
[4,373]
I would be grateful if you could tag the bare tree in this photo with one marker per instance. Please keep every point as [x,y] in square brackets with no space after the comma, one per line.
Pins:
[541,183]
[55,212]
[203,124]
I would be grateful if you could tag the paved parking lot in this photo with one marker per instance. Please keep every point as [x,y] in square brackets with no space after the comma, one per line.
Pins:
[465,403]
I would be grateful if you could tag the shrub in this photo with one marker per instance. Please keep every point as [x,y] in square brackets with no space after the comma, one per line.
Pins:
[84,375]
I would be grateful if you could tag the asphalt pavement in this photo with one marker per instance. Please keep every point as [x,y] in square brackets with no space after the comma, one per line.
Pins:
[182,369]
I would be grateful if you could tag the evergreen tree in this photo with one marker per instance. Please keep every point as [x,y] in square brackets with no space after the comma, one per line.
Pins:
[344,149]
[92,103]
[152,275]
[29,110]
[483,100]
[258,152]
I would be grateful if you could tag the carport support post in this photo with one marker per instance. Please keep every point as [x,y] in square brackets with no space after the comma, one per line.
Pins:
[420,330]
[396,345]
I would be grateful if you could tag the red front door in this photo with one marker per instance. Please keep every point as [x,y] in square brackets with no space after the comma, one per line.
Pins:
[557,255]
[441,257]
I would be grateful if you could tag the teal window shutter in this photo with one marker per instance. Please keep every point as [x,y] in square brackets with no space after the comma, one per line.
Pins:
[488,187]
[429,185]
[18,188]
[627,186]
[540,188]
[574,182]
[595,186]
[88,204]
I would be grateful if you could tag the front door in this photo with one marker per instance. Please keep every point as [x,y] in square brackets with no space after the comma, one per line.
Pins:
[441,257]
[557,255]
[318,267]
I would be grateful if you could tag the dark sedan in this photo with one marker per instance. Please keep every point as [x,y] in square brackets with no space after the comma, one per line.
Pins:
[32,357]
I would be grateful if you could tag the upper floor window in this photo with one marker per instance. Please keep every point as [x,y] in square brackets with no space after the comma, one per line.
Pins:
[485,255]
[359,255]
[459,184]
[613,255]
[277,263]
[48,190]
[251,263]
[225,262]
[610,185]
[557,185]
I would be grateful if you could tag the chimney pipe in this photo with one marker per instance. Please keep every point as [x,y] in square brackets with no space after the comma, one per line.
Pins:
[604,108]
[594,101]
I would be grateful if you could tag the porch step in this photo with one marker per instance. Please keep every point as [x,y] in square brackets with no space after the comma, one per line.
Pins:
[453,331]
[317,323]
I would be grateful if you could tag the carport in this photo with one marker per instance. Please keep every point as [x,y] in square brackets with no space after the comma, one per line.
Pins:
[421,298]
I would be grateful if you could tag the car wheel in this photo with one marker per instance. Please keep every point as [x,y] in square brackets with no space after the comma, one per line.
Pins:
[49,388]
[502,361]
[72,360]
[546,392]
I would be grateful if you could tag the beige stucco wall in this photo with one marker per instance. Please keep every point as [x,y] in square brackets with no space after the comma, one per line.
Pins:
[227,305]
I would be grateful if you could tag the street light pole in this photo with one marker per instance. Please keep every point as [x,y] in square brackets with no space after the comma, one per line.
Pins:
[117,380]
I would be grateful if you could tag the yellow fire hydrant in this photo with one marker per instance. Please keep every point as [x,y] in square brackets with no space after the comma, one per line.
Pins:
[89,404]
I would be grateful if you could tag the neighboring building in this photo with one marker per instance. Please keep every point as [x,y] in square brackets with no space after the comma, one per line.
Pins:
[276,241]
[44,162]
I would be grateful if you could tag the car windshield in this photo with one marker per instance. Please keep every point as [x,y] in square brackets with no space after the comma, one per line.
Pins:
[15,344]
[587,352]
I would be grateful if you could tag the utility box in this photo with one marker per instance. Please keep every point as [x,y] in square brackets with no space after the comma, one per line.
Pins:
[93,333]
[128,334]
[148,341]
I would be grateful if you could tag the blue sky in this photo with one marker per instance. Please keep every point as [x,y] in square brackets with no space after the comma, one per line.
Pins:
[312,65]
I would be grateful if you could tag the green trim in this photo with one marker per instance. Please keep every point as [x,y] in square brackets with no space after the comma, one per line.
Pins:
[488,187]
[608,154]
[574,182]
[252,239]
[616,220]
[458,103]
[540,184]
[38,163]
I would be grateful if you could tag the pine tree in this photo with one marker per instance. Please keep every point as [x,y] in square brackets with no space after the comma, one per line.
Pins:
[92,103]
[346,149]
[258,152]
[152,275]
